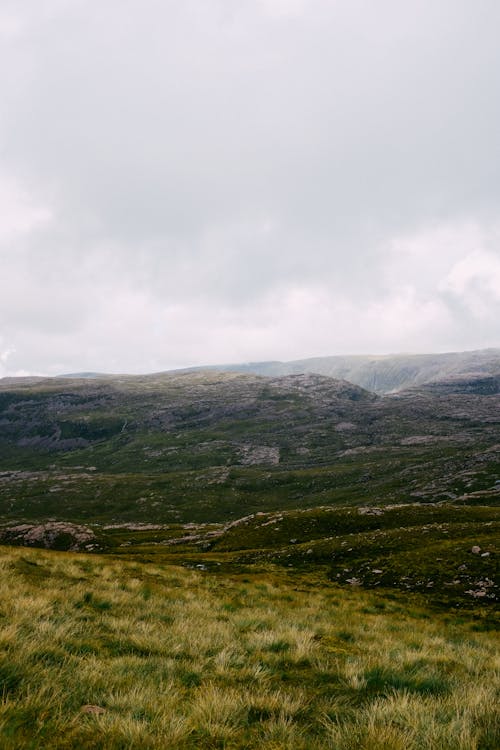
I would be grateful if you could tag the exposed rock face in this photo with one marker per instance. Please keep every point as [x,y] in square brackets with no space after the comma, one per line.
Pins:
[345,427]
[50,535]
[259,454]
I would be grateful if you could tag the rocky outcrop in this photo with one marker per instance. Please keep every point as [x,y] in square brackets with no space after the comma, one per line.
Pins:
[258,454]
[50,535]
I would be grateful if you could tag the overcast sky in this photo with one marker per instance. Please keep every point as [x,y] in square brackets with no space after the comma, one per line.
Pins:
[198,181]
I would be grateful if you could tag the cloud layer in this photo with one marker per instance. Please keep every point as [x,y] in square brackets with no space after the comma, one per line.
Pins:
[213,181]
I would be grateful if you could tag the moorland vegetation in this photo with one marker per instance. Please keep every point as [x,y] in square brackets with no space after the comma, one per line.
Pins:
[282,562]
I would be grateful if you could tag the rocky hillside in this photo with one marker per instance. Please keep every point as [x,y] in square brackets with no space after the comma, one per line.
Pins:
[208,446]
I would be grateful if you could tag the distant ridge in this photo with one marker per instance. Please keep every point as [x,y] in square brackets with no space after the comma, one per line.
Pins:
[380,373]
[78,375]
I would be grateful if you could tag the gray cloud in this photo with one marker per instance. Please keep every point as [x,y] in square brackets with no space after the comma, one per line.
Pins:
[214,181]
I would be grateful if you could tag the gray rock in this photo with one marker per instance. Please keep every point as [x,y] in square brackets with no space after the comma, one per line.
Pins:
[51,535]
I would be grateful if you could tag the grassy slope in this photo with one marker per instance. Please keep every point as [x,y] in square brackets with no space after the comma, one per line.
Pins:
[426,548]
[100,653]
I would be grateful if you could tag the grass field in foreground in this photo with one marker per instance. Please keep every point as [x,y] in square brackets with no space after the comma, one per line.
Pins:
[104,654]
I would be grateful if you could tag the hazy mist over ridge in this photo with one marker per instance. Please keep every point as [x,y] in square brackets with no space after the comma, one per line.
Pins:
[473,371]
[195,183]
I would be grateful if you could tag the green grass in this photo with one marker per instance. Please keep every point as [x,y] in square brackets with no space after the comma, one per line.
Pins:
[410,547]
[113,654]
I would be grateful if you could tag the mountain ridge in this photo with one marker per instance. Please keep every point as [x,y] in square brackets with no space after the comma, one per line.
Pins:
[380,373]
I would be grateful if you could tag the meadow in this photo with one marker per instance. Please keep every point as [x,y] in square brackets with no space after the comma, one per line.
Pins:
[113,654]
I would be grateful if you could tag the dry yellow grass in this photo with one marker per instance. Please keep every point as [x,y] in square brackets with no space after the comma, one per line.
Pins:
[181,659]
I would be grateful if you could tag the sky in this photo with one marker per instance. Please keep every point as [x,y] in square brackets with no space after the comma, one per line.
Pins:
[214,181]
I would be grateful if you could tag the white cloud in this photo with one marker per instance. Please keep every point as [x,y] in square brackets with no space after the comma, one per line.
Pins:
[475,281]
[5,353]
[284,8]
[209,181]
[20,212]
